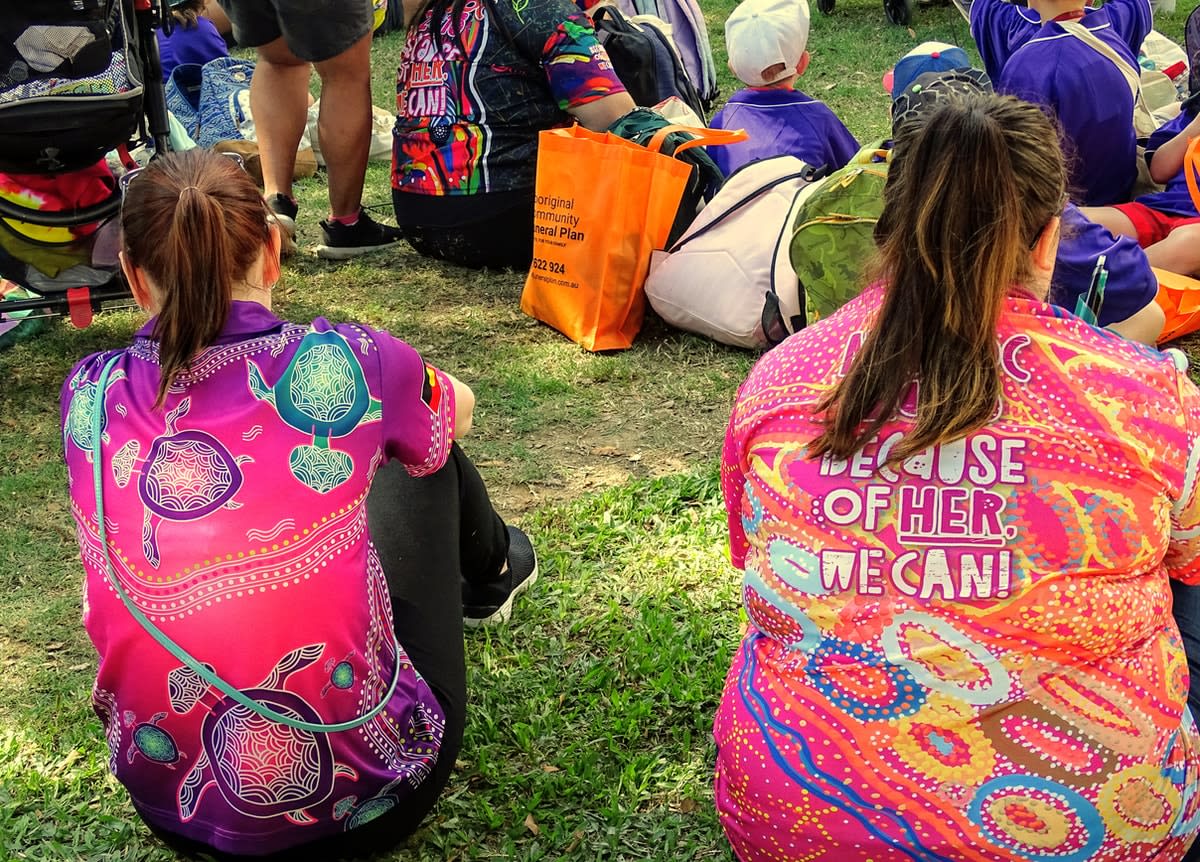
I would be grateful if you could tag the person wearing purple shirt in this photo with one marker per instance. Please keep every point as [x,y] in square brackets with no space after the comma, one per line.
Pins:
[767,42]
[1032,56]
[1166,223]
[1128,307]
[281,543]
[782,121]
[193,39]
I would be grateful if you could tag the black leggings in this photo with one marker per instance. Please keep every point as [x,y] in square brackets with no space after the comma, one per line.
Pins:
[431,535]
[500,241]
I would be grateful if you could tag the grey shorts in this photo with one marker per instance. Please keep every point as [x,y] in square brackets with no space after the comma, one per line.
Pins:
[314,30]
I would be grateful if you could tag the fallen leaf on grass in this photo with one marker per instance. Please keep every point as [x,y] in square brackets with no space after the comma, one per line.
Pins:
[549,767]
[829,87]
[689,806]
[912,33]
[576,840]
[531,824]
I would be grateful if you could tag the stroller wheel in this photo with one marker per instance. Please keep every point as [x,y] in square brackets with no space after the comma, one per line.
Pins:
[826,6]
[898,11]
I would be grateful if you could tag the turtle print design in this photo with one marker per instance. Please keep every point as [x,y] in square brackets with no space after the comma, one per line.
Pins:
[357,813]
[260,767]
[362,813]
[78,426]
[186,475]
[151,741]
[322,392]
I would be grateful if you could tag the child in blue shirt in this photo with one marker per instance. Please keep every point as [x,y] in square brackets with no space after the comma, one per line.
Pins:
[767,42]
[1029,54]
[1128,306]
[193,39]
[1166,224]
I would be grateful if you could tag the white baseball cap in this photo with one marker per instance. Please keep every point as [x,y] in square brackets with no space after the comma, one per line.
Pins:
[763,33]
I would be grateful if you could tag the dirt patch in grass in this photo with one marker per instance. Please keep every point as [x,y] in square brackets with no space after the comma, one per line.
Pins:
[617,448]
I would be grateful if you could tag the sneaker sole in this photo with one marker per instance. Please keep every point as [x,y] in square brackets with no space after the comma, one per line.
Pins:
[504,612]
[335,252]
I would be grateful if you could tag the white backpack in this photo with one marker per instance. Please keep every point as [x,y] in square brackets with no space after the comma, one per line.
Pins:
[729,277]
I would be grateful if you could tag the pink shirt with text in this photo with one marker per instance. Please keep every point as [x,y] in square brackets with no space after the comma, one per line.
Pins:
[968,655]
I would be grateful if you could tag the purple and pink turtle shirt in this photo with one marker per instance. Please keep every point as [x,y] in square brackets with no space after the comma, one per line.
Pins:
[236,522]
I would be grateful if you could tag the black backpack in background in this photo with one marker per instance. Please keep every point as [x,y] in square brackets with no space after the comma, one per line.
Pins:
[706,178]
[645,60]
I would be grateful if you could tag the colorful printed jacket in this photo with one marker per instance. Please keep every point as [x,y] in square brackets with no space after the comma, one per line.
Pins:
[969,655]
[469,107]
[236,523]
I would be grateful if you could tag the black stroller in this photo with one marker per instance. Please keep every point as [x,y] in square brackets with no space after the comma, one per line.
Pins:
[78,79]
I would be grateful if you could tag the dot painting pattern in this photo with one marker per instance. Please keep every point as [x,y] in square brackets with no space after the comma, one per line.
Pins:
[270,581]
[968,654]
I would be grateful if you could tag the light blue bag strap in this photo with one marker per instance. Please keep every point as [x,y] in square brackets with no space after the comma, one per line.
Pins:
[159,635]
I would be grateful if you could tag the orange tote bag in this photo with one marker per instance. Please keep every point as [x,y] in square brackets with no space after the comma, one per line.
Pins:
[603,204]
[1179,298]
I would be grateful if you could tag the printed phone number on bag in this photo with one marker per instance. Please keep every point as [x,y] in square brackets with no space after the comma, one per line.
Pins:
[549,266]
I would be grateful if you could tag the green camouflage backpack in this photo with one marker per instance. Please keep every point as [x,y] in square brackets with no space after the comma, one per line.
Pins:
[833,223]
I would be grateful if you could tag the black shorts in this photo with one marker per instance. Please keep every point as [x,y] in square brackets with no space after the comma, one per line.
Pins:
[314,30]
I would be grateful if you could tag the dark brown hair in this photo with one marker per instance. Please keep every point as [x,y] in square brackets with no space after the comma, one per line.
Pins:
[194,222]
[188,12]
[969,190]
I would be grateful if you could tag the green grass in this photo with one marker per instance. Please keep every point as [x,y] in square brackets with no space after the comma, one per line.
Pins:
[591,713]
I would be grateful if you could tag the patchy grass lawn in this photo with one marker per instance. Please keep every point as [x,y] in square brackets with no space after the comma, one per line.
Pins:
[588,736]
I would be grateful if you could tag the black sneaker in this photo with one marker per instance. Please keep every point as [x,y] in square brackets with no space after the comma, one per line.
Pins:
[365,235]
[519,574]
[283,210]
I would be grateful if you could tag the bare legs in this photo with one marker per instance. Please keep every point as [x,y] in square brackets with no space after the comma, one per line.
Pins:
[279,101]
[1179,252]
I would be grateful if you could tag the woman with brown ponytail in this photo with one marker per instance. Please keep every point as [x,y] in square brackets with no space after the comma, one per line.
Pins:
[281,544]
[958,509]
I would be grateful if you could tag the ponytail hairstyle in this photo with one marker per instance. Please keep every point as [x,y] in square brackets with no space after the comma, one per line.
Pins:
[194,222]
[969,191]
[446,15]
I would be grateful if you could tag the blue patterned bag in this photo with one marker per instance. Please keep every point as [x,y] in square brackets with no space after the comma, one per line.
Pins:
[205,98]
[183,96]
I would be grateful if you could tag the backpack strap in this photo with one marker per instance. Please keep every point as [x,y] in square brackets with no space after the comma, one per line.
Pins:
[807,174]
[1143,121]
[700,138]
[201,670]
